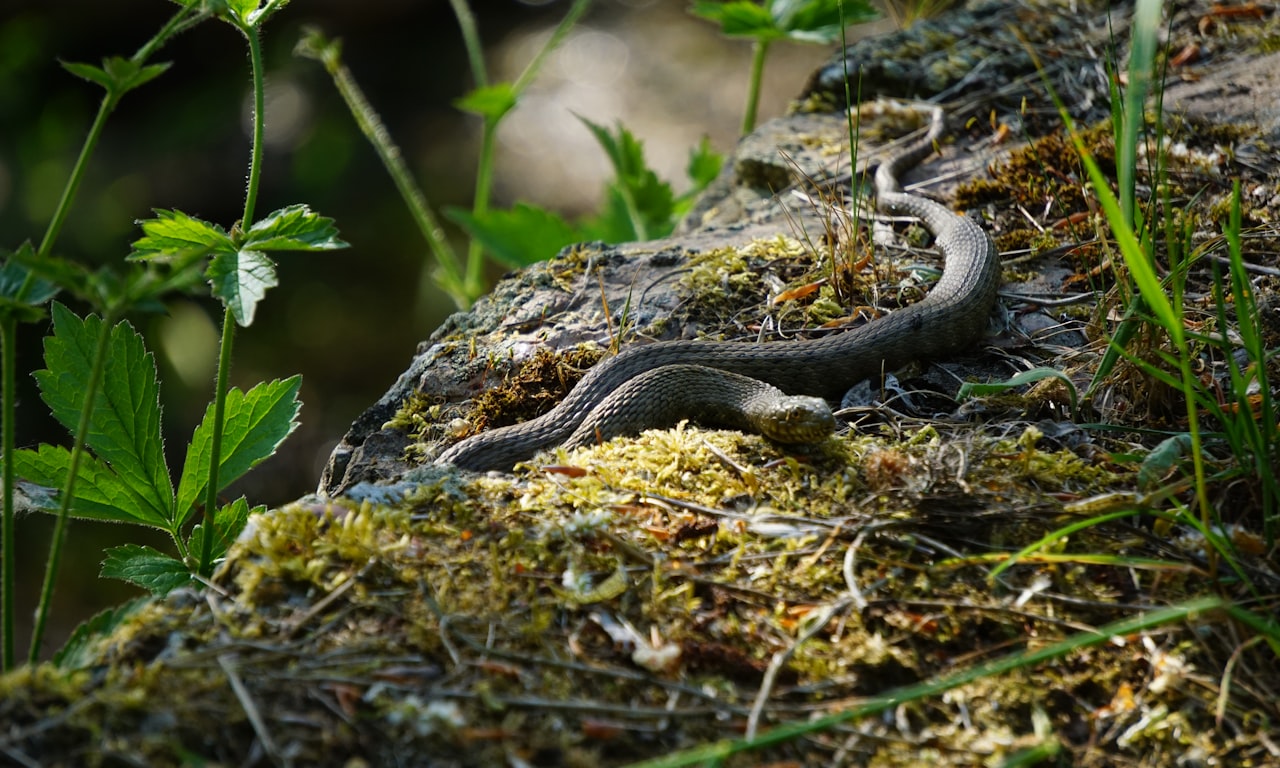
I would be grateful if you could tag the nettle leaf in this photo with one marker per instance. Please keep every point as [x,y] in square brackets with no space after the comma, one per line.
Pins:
[148,568]
[649,201]
[293,228]
[256,422]
[814,21]
[240,280]
[819,21]
[228,522]
[520,236]
[490,101]
[124,425]
[81,647]
[99,493]
[175,235]
[739,19]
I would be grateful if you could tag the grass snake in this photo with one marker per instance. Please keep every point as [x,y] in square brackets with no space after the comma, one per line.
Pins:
[732,383]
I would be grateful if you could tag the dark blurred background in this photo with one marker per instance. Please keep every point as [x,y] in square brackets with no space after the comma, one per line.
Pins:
[348,321]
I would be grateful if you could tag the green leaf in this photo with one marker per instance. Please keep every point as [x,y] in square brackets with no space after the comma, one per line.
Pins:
[175,235]
[256,423]
[99,493]
[124,425]
[240,280]
[294,228]
[228,522]
[81,647]
[812,21]
[22,291]
[647,200]
[117,74]
[819,21]
[89,72]
[974,389]
[704,165]
[148,568]
[1162,459]
[614,223]
[520,236]
[738,19]
[490,102]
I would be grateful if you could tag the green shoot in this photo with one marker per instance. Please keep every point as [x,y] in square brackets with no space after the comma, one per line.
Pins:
[639,206]
[803,21]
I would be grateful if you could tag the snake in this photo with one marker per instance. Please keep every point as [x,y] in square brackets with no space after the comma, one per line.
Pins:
[658,384]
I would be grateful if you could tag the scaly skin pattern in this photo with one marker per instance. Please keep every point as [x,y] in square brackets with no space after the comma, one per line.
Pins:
[951,317]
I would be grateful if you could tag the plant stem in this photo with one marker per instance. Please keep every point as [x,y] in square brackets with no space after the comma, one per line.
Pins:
[68,492]
[8,337]
[255,160]
[185,18]
[177,23]
[215,450]
[759,49]
[451,273]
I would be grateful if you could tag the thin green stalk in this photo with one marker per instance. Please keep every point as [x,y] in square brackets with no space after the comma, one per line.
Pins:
[185,18]
[255,161]
[488,136]
[471,40]
[68,491]
[480,204]
[180,21]
[759,49]
[8,337]
[215,451]
[327,53]
[228,317]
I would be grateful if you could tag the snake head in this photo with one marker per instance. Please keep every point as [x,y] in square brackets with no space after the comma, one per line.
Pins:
[797,419]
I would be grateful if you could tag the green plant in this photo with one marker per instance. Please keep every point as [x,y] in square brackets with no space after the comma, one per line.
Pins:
[101,383]
[638,205]
[804,21]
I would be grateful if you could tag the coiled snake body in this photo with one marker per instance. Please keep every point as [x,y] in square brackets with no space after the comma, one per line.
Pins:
[952,316]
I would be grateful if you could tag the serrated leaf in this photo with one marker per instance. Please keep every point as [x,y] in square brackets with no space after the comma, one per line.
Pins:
[256,423]
[293,228]
[228,521]
[148,568]
[818,21]
[649,202]
[813,21]
[81,647]
[490,101]
[99,493]
[175,235]
[520,236]
[124,424]
[738,19]
[240,280]
[704,165]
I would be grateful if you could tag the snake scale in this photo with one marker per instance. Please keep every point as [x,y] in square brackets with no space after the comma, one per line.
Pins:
[952,316]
